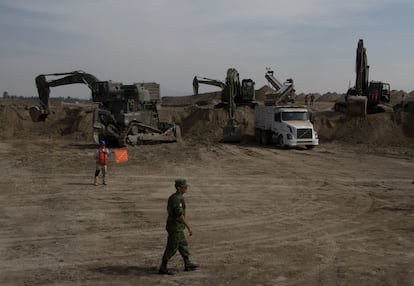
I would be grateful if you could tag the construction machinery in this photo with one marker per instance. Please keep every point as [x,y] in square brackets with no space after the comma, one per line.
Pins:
[233,94]
[232,90]
[366,96]
[284,93]
[124,114]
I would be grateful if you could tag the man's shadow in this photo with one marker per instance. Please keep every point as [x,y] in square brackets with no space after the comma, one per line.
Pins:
[125,270]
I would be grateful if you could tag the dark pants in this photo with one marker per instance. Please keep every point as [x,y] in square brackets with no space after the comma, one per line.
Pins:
[176,241]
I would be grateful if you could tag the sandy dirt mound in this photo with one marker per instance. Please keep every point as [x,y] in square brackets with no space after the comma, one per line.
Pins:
[203,99]
[376,129]
[204,124]
[68,120]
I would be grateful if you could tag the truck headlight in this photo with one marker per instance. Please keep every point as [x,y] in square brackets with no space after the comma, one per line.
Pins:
[289,136]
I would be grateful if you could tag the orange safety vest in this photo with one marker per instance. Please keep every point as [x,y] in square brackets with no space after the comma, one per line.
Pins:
[103,156]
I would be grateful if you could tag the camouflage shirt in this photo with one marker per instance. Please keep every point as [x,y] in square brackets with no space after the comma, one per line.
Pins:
[175,208]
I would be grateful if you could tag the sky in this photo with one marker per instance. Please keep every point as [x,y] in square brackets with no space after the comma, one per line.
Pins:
[171,41]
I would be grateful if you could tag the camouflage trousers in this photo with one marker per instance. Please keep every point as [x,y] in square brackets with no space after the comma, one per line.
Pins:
[176,241]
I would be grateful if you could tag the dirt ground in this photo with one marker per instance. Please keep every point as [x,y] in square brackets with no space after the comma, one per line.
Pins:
[340,214]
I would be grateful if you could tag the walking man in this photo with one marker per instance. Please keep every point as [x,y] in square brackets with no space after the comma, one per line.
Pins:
[101,159]
[176,223]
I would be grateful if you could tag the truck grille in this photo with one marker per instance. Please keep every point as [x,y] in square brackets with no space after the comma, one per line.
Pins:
[305,133]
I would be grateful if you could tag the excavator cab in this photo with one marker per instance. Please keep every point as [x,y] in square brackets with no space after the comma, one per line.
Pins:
[247,91]
[378,92]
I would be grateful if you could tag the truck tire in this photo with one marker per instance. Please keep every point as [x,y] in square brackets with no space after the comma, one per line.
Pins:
[281,141]
[257,136]
[265,137]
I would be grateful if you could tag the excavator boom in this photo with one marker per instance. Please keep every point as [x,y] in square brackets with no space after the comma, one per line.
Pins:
[43,88]
[272,80]
[361,69]
[232,131]
[284,92]
[208,81]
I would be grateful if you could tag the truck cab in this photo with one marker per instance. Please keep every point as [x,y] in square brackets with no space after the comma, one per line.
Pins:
[287,126]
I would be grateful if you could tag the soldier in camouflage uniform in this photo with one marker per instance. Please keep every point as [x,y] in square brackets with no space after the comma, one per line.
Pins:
[176,223]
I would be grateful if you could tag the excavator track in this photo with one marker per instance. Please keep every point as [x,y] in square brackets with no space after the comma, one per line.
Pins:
[138,133]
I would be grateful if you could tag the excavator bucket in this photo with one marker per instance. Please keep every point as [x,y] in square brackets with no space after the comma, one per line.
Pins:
[36,114]
[357,106]
[232,132]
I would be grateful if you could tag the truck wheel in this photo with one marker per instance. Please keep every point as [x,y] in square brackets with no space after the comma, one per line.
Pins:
[265,137]
[257,136]
[280,141]
[310,147]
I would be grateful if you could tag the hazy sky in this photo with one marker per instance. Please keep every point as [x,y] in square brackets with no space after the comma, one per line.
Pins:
[171,41]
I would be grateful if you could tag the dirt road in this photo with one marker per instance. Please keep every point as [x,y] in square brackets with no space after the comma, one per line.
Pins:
[335,215]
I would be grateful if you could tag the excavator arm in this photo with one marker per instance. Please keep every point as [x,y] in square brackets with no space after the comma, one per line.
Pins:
[284,92]
[232,131]
[43,88]
[208,81]
[361,71]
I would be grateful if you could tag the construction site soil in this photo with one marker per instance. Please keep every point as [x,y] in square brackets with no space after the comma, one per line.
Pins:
[339,214]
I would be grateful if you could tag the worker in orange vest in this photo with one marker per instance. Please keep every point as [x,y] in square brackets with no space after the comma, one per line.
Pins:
[101,158]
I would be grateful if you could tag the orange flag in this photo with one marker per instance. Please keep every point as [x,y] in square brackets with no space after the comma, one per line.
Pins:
[121,156]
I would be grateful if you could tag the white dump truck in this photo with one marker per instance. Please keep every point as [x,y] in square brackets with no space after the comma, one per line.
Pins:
[286,125]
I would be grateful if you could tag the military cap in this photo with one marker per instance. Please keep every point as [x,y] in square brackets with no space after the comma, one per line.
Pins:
[181,183]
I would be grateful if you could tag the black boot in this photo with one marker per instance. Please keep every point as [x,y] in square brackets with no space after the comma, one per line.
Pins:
[164,269]
[189,266]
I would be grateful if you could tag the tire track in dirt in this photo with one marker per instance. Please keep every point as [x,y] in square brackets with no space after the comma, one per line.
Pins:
[326,234]
[261,212]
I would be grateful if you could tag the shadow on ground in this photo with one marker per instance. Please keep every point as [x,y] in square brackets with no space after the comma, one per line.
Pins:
[125,270]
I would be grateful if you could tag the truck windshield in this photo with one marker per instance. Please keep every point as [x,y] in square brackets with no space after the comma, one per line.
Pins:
[290,116]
